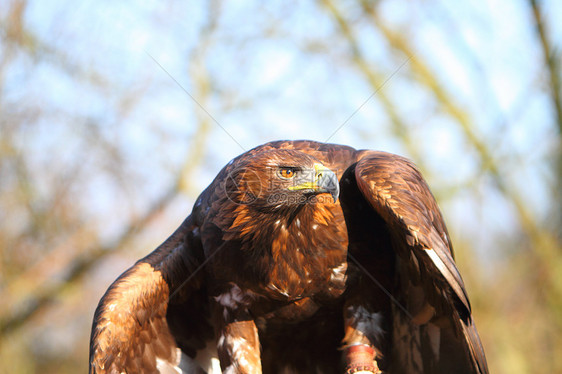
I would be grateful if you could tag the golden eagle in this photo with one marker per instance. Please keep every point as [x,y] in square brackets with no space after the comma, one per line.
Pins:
[300,257]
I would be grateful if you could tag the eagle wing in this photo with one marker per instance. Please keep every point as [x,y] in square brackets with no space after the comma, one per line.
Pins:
[154,311]
[433,322]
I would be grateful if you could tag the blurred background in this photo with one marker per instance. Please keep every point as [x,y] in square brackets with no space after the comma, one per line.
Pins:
[114,116]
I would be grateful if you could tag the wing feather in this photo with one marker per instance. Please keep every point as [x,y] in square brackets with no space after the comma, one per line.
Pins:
[396,190]
[133,328]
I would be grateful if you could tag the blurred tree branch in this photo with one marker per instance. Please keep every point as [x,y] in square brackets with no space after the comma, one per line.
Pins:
[551,61]
[544,243]
[38,299]
[376,80]
[41,292]
[43,296]
[541,238]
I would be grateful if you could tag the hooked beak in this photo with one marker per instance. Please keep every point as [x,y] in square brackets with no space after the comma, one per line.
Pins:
[322,181]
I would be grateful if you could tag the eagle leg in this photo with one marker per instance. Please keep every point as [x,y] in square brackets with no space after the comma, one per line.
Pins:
[360,359]
[239,348]
[363,336]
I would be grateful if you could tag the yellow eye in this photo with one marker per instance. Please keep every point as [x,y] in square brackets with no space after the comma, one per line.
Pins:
[287,172]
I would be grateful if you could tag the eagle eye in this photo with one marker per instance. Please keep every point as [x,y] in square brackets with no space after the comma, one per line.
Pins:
[287,172]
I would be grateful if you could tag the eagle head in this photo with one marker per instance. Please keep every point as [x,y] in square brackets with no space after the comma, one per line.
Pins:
[278,179]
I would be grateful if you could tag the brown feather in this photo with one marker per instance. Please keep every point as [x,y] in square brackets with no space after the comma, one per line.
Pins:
[260,263]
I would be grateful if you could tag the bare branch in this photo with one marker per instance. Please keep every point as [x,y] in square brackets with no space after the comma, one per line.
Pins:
[376,80]
[79,267]
[551,61]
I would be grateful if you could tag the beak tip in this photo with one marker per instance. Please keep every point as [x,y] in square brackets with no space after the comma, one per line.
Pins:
[334,187]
